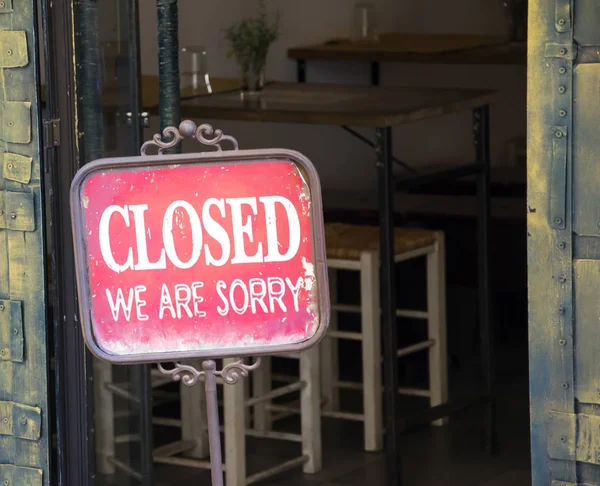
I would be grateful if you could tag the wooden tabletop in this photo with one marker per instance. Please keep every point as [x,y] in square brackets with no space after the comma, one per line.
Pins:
[113,98]
[217,85]
[321,104]
[419,48]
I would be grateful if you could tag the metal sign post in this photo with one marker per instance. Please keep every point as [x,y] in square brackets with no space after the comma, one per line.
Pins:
[189,376]
[206,255]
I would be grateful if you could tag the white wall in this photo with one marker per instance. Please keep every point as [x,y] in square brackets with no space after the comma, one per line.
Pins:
[344,162]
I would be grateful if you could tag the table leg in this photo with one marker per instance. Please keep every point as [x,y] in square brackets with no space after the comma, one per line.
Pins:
[375,71]
[301,70]
[385,191]
[481,139]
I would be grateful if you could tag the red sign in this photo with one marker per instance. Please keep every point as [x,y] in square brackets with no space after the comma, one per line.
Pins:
[210,255]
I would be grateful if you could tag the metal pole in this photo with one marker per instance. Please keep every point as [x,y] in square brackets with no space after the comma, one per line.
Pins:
[212,412]
[301,70]
[375,73]
[385,191]
[230,374]
[89,73]
[481,139]
[90,138]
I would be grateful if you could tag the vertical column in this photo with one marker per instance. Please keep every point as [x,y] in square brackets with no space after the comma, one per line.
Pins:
[375,73]
[142,388]
[168,65]
[310,409]
[371,350]
[212,408]
[330,362]
[89,80]
[262,384]
[436,325]
[105,420]
[301,70]
[235,432]
[481,139]
[193,416]
[385,192]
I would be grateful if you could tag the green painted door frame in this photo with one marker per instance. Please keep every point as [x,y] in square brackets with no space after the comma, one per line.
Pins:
[78,71]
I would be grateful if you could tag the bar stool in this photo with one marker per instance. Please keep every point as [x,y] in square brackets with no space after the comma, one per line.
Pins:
[192,449]
[351,247]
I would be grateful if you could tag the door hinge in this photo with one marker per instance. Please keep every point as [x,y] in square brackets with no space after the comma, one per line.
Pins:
[574,437]
[568,50]
[51,133]
[558,182]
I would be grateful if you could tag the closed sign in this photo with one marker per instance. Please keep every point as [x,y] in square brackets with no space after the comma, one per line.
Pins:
[204,255]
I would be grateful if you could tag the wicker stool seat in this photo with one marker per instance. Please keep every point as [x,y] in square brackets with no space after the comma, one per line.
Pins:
[348,242]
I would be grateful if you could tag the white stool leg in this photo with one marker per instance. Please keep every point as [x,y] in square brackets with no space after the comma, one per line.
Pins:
[261,386]
[436,304]
[371,351]
[104,416]
[235,432]
[329,354]
[193,416]
[247,411]
[310,409]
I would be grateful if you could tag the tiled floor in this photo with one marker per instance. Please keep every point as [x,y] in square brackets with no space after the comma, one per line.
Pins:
[451,455]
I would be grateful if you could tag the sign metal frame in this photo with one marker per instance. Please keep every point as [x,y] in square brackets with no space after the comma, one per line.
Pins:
[220,157]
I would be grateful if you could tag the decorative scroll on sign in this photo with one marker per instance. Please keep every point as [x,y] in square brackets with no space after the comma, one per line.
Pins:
[203,255]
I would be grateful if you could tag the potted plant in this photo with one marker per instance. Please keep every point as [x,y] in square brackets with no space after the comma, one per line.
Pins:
[250,40]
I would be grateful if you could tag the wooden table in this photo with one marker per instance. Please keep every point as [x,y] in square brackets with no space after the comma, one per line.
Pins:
[339,105]
[112,94]
[414,48]
[381,109]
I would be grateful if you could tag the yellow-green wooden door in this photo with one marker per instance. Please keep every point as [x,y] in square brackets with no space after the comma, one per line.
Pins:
[564,240]
[25,417]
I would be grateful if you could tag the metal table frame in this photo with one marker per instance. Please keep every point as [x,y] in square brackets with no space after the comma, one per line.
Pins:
[386,187]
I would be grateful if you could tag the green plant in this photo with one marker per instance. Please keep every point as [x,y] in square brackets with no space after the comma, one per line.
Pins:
[250,39]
